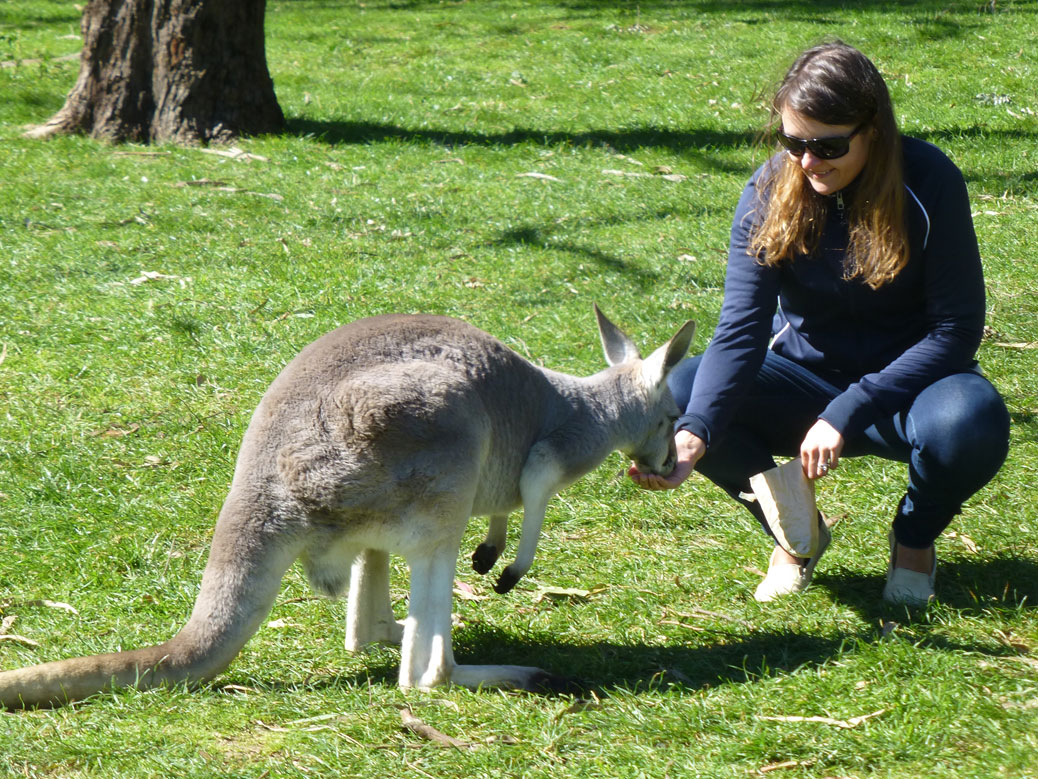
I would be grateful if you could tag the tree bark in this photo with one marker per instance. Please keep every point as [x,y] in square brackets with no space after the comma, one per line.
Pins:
[179,71]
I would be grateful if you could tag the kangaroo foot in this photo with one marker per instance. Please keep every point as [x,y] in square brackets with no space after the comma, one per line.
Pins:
[506,581]
[513,677]
[484,557]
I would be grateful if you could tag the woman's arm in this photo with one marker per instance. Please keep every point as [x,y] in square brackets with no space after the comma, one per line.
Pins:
[953,297]
[737,349]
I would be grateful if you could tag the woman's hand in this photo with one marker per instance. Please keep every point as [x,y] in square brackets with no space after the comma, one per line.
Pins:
[820,451]
[689,449]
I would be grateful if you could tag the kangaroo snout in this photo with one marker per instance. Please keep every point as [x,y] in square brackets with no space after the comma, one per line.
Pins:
[651,462]
[663,469]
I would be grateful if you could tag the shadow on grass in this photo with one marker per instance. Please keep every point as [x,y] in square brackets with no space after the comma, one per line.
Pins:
[1026,423]
[531,236]
[727,8]
[682,141]
[975,587]
[534,236]
[971,587]
[601,667]
[609,666]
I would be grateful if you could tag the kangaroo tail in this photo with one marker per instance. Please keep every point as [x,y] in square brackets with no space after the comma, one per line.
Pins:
[249,556]
[64,681]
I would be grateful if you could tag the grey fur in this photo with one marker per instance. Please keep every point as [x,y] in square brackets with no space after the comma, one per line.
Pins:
[386,436]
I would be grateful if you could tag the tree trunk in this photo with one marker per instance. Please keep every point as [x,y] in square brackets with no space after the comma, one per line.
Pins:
[180,71]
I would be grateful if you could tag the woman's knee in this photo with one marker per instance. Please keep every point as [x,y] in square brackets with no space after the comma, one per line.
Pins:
[961,416]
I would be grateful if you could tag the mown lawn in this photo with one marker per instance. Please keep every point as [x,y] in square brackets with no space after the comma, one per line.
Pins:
[148,295]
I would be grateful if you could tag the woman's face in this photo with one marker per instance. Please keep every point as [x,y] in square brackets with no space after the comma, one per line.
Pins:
[827,176]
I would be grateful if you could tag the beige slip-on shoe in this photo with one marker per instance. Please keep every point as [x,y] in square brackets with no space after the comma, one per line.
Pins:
[787,578]
[905,587]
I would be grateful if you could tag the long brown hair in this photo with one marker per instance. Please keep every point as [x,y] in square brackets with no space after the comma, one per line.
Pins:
[836,84]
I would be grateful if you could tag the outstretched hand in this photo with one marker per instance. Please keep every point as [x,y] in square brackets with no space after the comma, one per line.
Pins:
[689,449]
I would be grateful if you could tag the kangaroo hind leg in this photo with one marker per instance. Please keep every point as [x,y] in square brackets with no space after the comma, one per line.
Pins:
[427,657]
[369,611]
[335,566]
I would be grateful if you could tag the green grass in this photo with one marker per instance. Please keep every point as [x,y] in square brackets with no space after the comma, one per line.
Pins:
[398,188]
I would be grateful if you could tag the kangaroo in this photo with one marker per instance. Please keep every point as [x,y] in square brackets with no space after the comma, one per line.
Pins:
[385,436]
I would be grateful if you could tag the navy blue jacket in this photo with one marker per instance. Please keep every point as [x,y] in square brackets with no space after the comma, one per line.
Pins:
[881,347]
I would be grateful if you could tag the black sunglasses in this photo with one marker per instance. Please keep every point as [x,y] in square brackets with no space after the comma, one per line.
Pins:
[823,148]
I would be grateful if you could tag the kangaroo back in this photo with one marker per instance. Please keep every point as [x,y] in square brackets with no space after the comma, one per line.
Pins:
[379,409]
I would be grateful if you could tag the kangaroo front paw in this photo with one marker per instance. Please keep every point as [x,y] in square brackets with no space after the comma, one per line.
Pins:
[506,581]
[484,557]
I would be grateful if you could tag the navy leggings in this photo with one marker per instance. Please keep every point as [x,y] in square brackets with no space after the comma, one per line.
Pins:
[954,437]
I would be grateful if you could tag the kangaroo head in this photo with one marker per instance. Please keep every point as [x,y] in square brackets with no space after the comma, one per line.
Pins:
[648,407]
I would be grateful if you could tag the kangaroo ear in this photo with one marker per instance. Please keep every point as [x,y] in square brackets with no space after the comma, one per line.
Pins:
[617,346]
[658,364]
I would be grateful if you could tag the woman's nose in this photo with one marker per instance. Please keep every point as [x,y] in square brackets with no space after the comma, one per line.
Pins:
[809,160]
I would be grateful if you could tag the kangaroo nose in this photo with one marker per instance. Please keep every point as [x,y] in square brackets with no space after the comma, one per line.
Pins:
[655,466]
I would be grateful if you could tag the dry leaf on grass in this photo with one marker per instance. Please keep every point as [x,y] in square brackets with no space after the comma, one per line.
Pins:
[281,624]
[22,63]
[1013,641]
[202,183]
[536,175]
[846,724]
[631,174]
[684,625]
[465,591]
[661,172]
[698,613]
[223,186]
[964,539]
[1027,345]
[50,604]
[115,432]
[20,640]
[584,704]
[238,689]
[767,769]
[142,154]
[297,726]
[419,728]
[1028,661]
[150,275]
[235,153]
[5,636]
[564,594]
